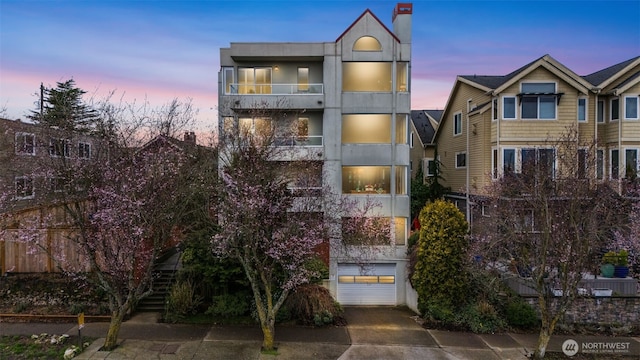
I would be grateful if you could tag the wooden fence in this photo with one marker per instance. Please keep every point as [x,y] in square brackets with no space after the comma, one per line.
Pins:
[48,249]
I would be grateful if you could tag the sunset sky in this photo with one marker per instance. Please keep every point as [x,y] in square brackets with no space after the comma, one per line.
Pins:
[164,49]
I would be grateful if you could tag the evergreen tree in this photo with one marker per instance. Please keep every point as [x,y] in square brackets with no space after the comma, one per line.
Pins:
[62,107]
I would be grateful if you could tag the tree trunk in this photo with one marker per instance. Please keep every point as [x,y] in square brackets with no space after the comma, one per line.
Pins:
[268,334]
[111,341]
[543,341]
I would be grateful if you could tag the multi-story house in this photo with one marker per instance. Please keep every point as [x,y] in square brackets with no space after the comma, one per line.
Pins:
[492,125]
[351,100]
[27,151]
[30,187]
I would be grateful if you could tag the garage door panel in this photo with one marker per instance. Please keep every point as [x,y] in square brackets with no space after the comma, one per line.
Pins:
[373,286]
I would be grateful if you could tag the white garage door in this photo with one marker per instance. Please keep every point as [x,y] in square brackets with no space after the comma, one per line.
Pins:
[373,285]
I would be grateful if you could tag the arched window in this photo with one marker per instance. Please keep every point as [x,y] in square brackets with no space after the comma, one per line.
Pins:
[367,43]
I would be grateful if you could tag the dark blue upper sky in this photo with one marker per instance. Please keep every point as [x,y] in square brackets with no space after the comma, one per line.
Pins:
[167,48]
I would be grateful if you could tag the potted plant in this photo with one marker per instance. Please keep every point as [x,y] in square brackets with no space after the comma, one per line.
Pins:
[607,268]
[621,266]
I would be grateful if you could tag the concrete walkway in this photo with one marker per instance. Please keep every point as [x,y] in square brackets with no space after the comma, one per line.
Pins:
[387,333]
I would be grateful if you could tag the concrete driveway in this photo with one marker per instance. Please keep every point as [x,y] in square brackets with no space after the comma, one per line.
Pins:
[392,333]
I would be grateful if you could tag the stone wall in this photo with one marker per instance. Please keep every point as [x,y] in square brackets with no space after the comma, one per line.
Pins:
[623,310]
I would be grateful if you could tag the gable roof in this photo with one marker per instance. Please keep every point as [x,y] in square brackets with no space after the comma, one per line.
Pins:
[601,77]
[495,81]
[422,123]
[496,84]
[360,17]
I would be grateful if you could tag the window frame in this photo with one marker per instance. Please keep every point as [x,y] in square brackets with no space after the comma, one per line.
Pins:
[637,107]
[54,150]
[428,168]
[584,107]
[27,181]
[516,168]
[457,160]
[504,107]
[457,123]
[600,164]
[615,108]
[626,160]
[539,103]
[614,175]
[21,137]
[600,118]
[84,150]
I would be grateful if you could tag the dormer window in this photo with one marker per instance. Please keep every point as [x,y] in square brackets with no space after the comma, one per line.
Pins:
[367,43]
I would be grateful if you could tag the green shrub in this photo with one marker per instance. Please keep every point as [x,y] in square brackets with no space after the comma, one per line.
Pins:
[440,275]
[521,315]
[481,318]
[76,308]
[20,307]
[319,269]
[182,301]
[313,305]
[323,318]
[229,305]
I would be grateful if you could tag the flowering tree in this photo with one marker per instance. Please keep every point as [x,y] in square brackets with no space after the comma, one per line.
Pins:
[274,212]
[123,206]
[549,222]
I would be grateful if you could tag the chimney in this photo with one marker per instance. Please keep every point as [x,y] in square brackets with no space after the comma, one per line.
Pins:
[402,22]
[190,137]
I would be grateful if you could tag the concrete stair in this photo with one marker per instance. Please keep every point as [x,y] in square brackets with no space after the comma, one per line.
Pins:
[163,279]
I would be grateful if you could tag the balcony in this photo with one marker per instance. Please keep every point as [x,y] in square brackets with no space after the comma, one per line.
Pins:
[277,96]
[276,89]
[310,140]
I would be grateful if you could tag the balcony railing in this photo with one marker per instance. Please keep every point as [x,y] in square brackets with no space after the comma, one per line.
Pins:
[276,89]
[311,140]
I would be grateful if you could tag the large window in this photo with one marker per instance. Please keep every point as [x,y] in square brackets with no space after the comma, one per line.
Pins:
[255,126]
[367,76]
[528,161]
[24,187]
[509,107]
[540,162]
[457,124]
[366,129]
[538,101]
[366,179]
[631,107]
[25,144]
[254,80]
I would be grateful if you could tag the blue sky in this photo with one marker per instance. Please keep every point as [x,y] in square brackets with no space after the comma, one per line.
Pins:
[163,49]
